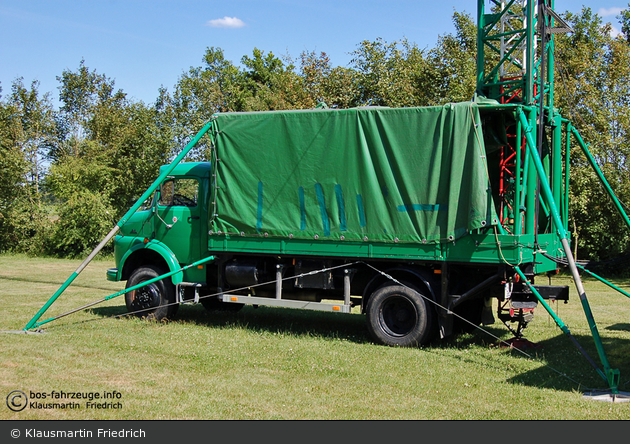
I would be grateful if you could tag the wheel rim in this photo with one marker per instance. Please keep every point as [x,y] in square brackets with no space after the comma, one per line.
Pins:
[146,298]
[398,316]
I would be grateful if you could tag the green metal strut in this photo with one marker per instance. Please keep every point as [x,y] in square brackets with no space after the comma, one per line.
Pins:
[127,290]
[610,284]
[600,175]
[612,375]
[120,223]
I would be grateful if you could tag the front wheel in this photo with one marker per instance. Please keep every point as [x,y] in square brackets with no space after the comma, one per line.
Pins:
[155,300]
[400,316]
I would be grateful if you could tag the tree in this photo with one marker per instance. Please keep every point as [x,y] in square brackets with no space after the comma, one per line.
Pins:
[13,171]
[401,74]
[624,18]
[264,83]
[337,87]
[387,72]
[35,132]
[449,73]
[26,127]
[593,88]
[199,93]
[84,219]
[110,156]
[269,84]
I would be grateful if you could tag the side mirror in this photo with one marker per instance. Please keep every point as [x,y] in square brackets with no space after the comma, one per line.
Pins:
[155,200]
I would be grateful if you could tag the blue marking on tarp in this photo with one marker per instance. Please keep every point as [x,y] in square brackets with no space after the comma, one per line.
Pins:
[302,209]
[343,225]
[260,207]
[422,207]
[322,207]
[361,211]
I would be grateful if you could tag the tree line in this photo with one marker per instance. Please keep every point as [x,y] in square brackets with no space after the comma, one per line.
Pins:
[67,175]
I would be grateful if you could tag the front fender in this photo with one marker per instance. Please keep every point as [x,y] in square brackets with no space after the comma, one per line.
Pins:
[159,248]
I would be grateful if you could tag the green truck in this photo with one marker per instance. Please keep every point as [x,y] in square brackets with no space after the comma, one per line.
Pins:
[428,220]
[396,211]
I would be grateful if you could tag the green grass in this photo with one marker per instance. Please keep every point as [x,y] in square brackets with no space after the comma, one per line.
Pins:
[271,363]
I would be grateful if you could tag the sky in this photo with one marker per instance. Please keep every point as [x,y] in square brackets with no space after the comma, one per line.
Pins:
[147,44]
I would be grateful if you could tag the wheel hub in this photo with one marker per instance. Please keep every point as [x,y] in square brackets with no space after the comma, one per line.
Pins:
[398,316]
[146,297]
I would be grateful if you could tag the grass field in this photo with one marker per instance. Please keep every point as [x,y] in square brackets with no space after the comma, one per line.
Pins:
[271,363]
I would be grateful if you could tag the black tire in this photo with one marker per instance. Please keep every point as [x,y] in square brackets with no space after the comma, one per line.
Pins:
[153,301]
[214,304]
[400,316]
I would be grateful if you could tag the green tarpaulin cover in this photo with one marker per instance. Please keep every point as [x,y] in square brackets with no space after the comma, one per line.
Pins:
[385,174]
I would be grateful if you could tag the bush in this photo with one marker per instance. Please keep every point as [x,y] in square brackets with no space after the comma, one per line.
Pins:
[84,220]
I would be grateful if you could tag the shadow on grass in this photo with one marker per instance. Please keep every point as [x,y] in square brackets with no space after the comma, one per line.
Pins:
[563,366]
[350,327]
[619,327]
[566,368]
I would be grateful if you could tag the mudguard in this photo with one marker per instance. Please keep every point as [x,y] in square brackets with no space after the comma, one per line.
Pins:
[162,250]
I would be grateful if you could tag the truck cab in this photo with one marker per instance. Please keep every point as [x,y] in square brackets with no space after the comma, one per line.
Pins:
[167,233]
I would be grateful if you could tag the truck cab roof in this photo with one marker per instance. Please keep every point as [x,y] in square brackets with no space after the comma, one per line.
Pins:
[198,169]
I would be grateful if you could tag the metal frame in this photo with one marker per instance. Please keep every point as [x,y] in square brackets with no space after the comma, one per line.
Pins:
[527,28]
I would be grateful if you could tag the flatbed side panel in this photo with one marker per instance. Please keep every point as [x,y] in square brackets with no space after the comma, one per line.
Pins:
[474,248]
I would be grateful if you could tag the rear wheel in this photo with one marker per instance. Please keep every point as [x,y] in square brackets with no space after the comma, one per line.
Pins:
[400,316]
[155,300]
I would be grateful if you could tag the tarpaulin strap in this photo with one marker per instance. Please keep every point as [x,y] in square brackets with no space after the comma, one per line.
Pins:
[322,208]
[343,226]
[260,207]
[361,210]
[302,209]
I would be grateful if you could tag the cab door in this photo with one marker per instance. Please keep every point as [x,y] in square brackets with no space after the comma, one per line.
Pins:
[178,221]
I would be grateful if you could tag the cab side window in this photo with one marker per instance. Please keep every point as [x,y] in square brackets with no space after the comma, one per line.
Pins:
[179,193]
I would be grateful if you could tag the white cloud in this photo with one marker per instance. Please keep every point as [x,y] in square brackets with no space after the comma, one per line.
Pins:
[605,12]
[226,22]
[614,32]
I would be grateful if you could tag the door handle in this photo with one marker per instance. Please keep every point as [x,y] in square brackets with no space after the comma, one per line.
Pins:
[192,217]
